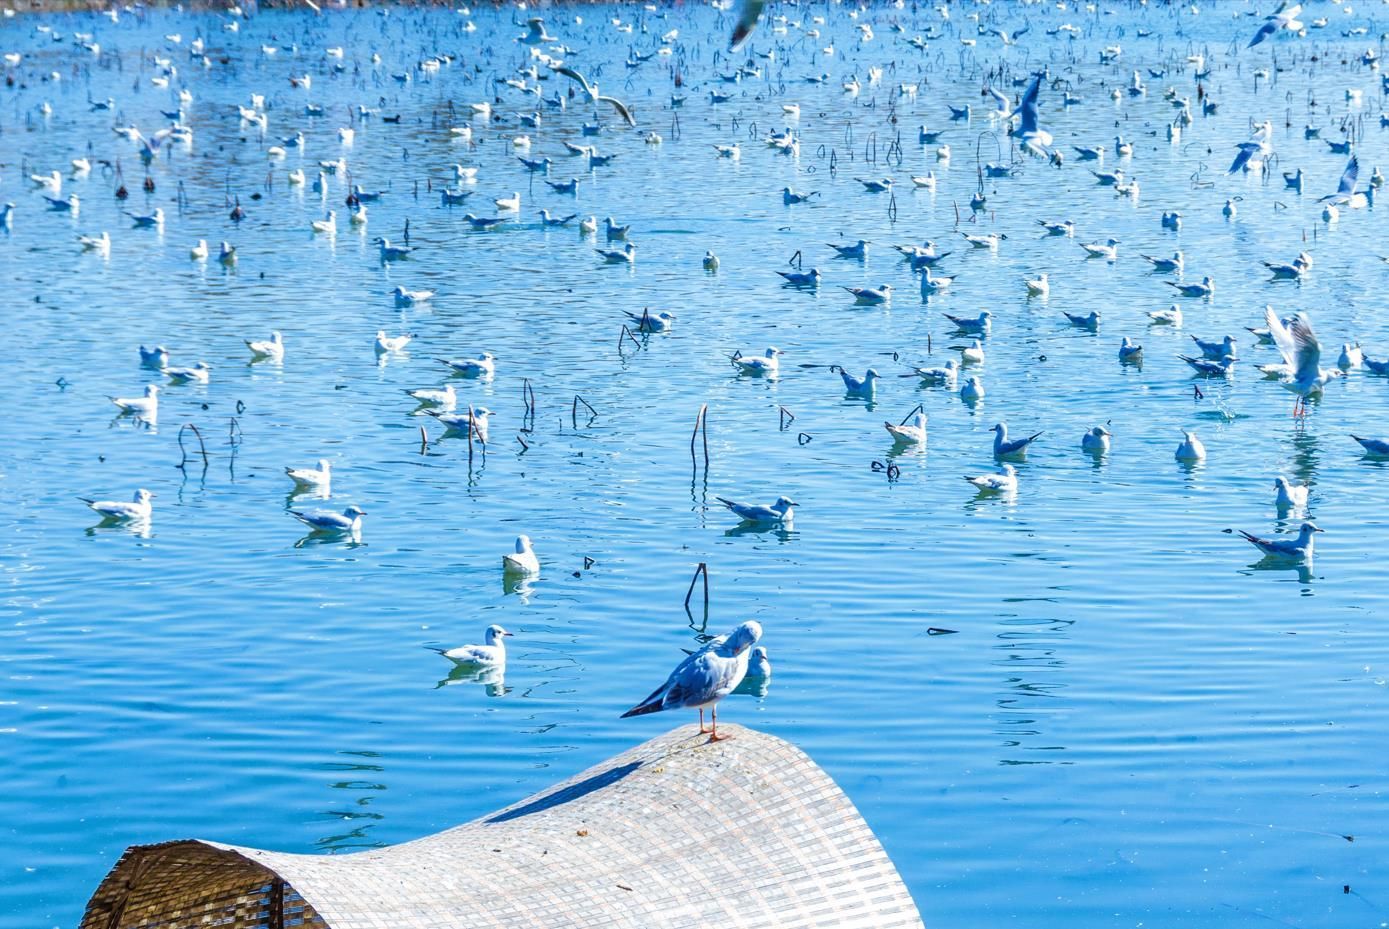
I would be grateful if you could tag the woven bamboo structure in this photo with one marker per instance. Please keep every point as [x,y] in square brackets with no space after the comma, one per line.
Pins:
[747,832]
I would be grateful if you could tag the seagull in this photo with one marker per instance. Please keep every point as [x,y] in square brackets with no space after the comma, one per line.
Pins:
[1003,446]
[391,252]
[445,398]
[1038,287]
[1065,228]
[871,296]
[942,375]
[274,348]
[198,372]
[930,284]
[1032,139]
[1285,17]
[973,391]
[327,521]
[1108,250]
[706,677]
[711,261]
[965,324]
[1005,482]
[1345,194]
[989,241]
[509,204]
[468,422]
[1302,353]
[149,221]
[913,433]
[791,197]
[121,511]
[860,387]
[493,654]
[779,512]
[1351,357]
[385,343]
[1290,495]
[1206,367]
[101,244]
[858,250]
[1191,448]
[1172,316]
[549,220]
[146,407]
[627,255]
[809,278]
[482,366]
[1289,272]
[1251,153]
[1377,447]
[405,297]
[320,477]
[523,560]
[1096,441]
[1203,289]
[660,321]
[157,357]
[1225,348]
[593,95]
[972,354]
[1299,549]
[1176,263]
[1130,351]
[1091,321]
[763,364]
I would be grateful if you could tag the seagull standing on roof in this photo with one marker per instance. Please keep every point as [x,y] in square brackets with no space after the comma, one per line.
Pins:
[704,678]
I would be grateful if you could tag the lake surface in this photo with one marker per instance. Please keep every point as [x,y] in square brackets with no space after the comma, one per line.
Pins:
[1133,721]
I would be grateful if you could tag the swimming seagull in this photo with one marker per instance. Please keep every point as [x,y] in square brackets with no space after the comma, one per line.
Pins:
[1191,448]
[780,510]
[1129,351]
[493,654]
[705,678]
[483,365]
[1005,482]
[871,296]
[593,95]
[157,357]
[120,510]
[809,278]
[522,560]
[860,387]
[1290,495]
[146,407]
[913,433]
[405,297]
[1096,441]
[429,396]
[1376,447]
[198,373]
[965,324]
[274,348]
[327,521]
[320,477]
[1299,549]
[759,364]
[1003,446]
[388,343]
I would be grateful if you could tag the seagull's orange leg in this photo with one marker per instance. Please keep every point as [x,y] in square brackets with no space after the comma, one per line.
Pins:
[714,736]
[702,730]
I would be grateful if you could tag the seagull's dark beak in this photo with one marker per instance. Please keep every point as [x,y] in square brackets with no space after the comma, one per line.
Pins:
[508,634]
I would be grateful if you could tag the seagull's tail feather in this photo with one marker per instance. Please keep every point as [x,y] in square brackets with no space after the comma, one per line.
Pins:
[1034,437]
[643,709]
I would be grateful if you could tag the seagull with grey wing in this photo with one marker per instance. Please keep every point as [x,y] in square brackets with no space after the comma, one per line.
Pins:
[747,21]
[704,678]
[1298,549]
[779,512]
[1345,194]
[594,96]
[1285,17]
[1032,138]
[1301,352]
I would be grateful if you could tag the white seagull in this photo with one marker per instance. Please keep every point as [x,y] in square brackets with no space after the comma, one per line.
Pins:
[120,510]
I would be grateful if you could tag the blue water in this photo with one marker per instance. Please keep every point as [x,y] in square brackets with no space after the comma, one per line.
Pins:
[1134,722]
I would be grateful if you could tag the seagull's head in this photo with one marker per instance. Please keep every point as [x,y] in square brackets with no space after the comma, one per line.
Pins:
[151,390]
[1001,428]
[481,412]
[523,544]
[1101,431]
[1309,528]
[743,637]
[354,511]
[871,375]
[324,466]
[783,504]
[773,351]
[143,496]
[1010,470]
